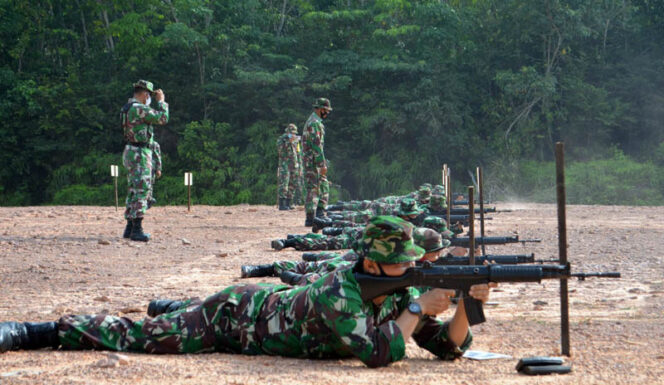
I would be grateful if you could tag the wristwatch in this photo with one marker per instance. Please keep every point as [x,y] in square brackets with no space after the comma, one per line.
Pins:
[416,309]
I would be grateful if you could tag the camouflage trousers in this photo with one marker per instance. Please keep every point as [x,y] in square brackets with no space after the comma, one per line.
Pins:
[311,271]
[318,191]
[323,242]
[138,162]
[219,323]
[288,179]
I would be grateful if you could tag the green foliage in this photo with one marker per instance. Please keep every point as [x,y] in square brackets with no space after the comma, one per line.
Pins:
[414,85]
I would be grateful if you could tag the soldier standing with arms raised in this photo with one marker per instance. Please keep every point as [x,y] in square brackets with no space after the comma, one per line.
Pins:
[137,121]
[314,163]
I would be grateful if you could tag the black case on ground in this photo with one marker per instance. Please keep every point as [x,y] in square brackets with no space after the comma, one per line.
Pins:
[542,365]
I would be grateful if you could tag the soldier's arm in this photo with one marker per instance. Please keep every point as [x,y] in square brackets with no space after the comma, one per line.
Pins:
[375,345]
[154,116]
[317,146]
[156,154]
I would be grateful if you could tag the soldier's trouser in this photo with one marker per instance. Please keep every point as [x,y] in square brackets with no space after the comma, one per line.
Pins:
[318,191]
[216,324]
[138,162]
[311,271]
[322,242]
[287,178]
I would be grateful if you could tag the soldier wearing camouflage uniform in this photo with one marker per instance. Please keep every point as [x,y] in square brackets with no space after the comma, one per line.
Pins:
[312,241]
[314,163]
[287,145]
[137,122]
[300,191]
[324,319]
[156,171]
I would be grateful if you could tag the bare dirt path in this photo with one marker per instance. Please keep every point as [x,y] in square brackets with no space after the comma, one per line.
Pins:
[61,260]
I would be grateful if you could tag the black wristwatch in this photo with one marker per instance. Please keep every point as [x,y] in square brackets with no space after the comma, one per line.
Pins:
[416,309]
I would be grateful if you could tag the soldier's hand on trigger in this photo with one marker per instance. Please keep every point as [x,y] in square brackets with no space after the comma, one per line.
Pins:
[158,173]
[159,95]
[435,301]
[323,170]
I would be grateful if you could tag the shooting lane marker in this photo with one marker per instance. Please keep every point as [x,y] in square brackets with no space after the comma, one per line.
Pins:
[480,186]
[562,247]
[115,174]
[188,181]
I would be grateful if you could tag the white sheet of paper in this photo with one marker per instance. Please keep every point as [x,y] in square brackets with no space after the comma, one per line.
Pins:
[480,355]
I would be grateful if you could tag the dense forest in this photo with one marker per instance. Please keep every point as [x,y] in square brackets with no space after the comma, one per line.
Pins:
[413,84]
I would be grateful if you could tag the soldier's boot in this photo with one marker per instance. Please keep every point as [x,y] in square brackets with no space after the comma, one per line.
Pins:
[127,231]
[282,204]
[28,335]
[333,231]
[309,221]
[336,217]
[320,212]
[162,306]
[289,204]
[249,271]
[137,233]
[290,278]
[337,207]
[279,244]
[320,223]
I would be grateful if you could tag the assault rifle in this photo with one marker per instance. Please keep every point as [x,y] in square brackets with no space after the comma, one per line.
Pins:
[464,211]
[465,241]
[461,278]
[504,259]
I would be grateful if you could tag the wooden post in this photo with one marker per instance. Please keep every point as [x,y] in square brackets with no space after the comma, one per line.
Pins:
[114,174]
[448,192]
[562,247]
[188,181]
[471,227]
[480,186]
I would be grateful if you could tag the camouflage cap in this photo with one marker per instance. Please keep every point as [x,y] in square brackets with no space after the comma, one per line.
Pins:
[323,103]
[291,129]
[424,194]
[428,239]
[438,224]
[438,189]
[426,185]
[437,201]
[388,239]
[144,84]
[409,206]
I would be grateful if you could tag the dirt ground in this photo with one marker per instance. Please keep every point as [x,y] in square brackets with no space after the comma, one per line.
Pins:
[64,260]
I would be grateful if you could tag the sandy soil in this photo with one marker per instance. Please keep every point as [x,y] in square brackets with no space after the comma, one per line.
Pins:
[61,260]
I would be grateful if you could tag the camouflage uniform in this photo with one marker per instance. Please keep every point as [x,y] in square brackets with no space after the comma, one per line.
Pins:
[288,164]
[324,319]
[313,160]
[312,241]
[137,121]
[311,271]
[300,192]
[156,167]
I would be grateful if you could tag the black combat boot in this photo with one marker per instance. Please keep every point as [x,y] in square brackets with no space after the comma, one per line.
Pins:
[279,244]
[282,204]
[137,231]
[290,278]
[162,306]
[333,231]
[28,335]
[289,204]
[337,207]
[127,232]
[249,271]
[336,217]
[309,221]
[320,223]
[320,212]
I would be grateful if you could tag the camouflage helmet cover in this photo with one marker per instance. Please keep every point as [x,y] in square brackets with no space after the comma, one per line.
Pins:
[323,103]
[409,206]
[387,239]
[144,84]
[438,224]
[437,201]
[291,129]
[428,239]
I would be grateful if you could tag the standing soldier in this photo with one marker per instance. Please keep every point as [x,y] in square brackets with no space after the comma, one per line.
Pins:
[137,121]
[156,171]
[287,173]
[300,193]
[314,163]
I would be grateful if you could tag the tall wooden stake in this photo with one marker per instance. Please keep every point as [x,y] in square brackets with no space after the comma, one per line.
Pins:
[116,193]
[480,186]
[562,247]
[471,226]
[448,192]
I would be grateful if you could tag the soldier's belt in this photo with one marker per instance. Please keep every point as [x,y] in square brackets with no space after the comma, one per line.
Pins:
[137,144]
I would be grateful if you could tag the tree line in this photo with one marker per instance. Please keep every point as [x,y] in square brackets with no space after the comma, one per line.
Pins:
[413,84]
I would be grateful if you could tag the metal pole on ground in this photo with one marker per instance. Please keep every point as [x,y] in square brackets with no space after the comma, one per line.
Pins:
[562,247]
[188,181]
[448,192]
[471,227]
[114,174]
